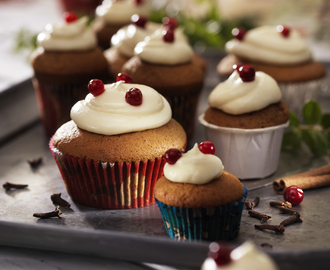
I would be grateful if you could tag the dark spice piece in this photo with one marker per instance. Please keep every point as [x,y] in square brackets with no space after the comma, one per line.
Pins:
[35,163]
[285,210]
[251,205]
[291,220]
[8,186]
[56,198]
[260,216]
[266,245]
[278,229]
[56,213]
[279,203]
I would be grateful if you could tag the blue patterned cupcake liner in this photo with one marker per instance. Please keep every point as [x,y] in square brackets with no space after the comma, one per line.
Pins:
[197,224]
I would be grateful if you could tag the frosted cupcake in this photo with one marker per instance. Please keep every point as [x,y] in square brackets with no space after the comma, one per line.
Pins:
[111,153]
[198,200]
[281,53]
[110,16]
[66,59]
[246,118]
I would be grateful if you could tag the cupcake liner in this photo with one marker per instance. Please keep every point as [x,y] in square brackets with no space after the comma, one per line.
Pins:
[55,101]
[295,94]
[109,185]
[196,224]
[246,153]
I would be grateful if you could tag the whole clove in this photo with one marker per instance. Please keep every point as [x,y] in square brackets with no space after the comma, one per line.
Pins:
[291,220]
[56,213]
[251,205]
[278,229]
[260,216]
[8,186]
[285,210]
[35,163]
[279,203]
[56,198]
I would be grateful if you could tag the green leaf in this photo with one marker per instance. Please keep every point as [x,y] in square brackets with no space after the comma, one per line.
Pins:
[312,112]
[316,140]
[292,139]
[294,120]
[325,120]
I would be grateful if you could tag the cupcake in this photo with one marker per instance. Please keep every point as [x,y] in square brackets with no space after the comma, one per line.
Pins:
[66,59]
[166,62]
[245,120]
[197,198]
[110,16]
[246,256]
[124,41]
[111,153]
[281,53]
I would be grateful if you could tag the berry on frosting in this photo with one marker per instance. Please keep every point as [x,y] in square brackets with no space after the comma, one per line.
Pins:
[138,2]
[247,73]
[134,96]
[238,33]
[124,77]
[96,87]
[220,253]
[70,17]
[207,147]
[237,66]
[172,155]
[168,35]
[170,22]
[293,194]
[139,20]
[285,31]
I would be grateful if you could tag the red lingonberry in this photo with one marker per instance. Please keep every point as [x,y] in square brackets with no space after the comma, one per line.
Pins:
[70,16]
[170,22]
[124,77]
[247,73]
[220,253]
[96,87]
[139,20]
[238,33]
[168,35]
[285,31]
[134,96]
[207,147]
[293,194]
[172,155]
[237,66]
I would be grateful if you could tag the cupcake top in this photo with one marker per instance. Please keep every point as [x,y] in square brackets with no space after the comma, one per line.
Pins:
[245,91]
[128,36]
[120,12]
[194,167]
[74,35]
[270,44]
[165,46]
[120,108]
[246,256]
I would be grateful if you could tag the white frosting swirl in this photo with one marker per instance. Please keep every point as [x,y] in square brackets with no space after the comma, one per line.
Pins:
[194,167]
[75,36]
[155,50]
[246,256]
[266,45]
[234,96]
[119,12]
[110,114]
[128,36]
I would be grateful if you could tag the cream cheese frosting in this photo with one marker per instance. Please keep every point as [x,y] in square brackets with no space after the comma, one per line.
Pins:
[246,256]
[266,45]
[73,36]
[119,12]
[194,167]
[110,114]
[128,36]
[234,96]
[155,50]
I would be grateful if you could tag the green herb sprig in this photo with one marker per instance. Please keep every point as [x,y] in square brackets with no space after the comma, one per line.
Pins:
[314,130]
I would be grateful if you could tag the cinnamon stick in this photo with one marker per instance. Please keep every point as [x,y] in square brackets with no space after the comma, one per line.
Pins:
[319,177]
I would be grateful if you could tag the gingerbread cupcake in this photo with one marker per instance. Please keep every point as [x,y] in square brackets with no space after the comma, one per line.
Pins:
[246,118]
[282,53]
[111,153]
[66,59]
[110,16]
[198,200]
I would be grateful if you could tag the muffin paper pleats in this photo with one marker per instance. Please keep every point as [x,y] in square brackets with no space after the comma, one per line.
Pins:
[109,185]
[196,224]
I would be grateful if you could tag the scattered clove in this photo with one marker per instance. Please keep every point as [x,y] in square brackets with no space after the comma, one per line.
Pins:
[251,205]
[8,186]
[278,229]
[260,216]
[266,245]
[56,198]
[56,213]
[279,203]
[285,210]
[291,220]
[35,163]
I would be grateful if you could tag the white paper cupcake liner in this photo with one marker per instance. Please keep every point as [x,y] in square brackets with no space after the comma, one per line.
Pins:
[246,153]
